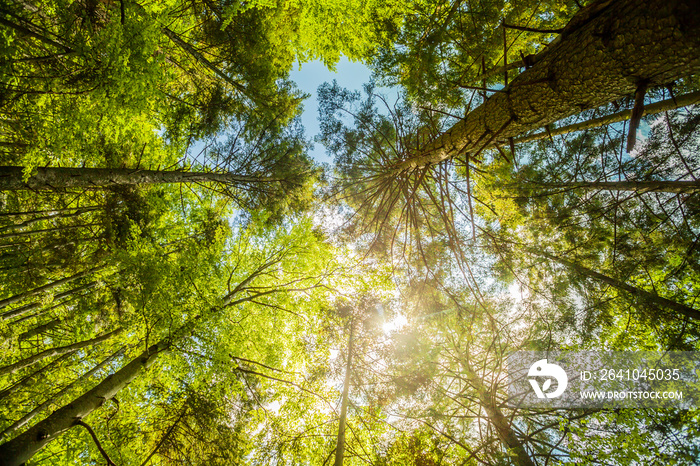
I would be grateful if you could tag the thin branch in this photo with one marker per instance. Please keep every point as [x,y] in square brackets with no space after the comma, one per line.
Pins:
[529,29]
[78,422]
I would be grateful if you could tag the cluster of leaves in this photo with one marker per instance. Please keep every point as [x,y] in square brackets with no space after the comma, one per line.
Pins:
[445,47]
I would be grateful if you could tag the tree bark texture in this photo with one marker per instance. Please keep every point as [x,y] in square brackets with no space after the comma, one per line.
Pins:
[52,178]
[605,51]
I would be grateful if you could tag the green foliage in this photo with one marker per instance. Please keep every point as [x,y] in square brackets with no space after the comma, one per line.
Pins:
[413,284]
[443,46]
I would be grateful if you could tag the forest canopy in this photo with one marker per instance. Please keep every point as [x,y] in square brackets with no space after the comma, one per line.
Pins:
[182,283]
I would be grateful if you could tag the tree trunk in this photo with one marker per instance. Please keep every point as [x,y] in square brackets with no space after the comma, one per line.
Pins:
[21,448]
[18,450]
[20,234]
[658,107]
[620,285]
[633,186]
[32,31]
[56,398]
[32,221]
[165,436]
[48,286]
[51,352]
[340,441]
[203,61]
[605,52]
[49,212]
[49,248]
[102,178]
[499,421]
[30,307]
[24,380]
[39,329]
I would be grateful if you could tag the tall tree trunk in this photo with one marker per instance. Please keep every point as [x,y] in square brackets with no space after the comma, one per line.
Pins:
[202,60]
[49,212]
[28,29]
[33,251]
[48,286]
[56,398]
[20,234]
[652,109]
[9,390]
[32,221]
[27,268]
[101,178]
[51,352]
[35,305]
[633,186]
[18,450]
[21,448]
[500,422]
[165,436]
[606,51]
[340,441]
[39,329]
[644,295]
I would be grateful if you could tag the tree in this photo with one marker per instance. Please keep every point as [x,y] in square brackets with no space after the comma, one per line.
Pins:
[594,38]
[640,238]
[259,288]
[447,45]
[266,168]
[340,443]
[166,290]
[658,107]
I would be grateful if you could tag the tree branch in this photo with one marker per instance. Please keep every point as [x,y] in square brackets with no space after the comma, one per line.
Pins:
[78,422]
[529,29]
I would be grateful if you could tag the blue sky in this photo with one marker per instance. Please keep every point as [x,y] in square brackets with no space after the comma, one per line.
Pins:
[313,74]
